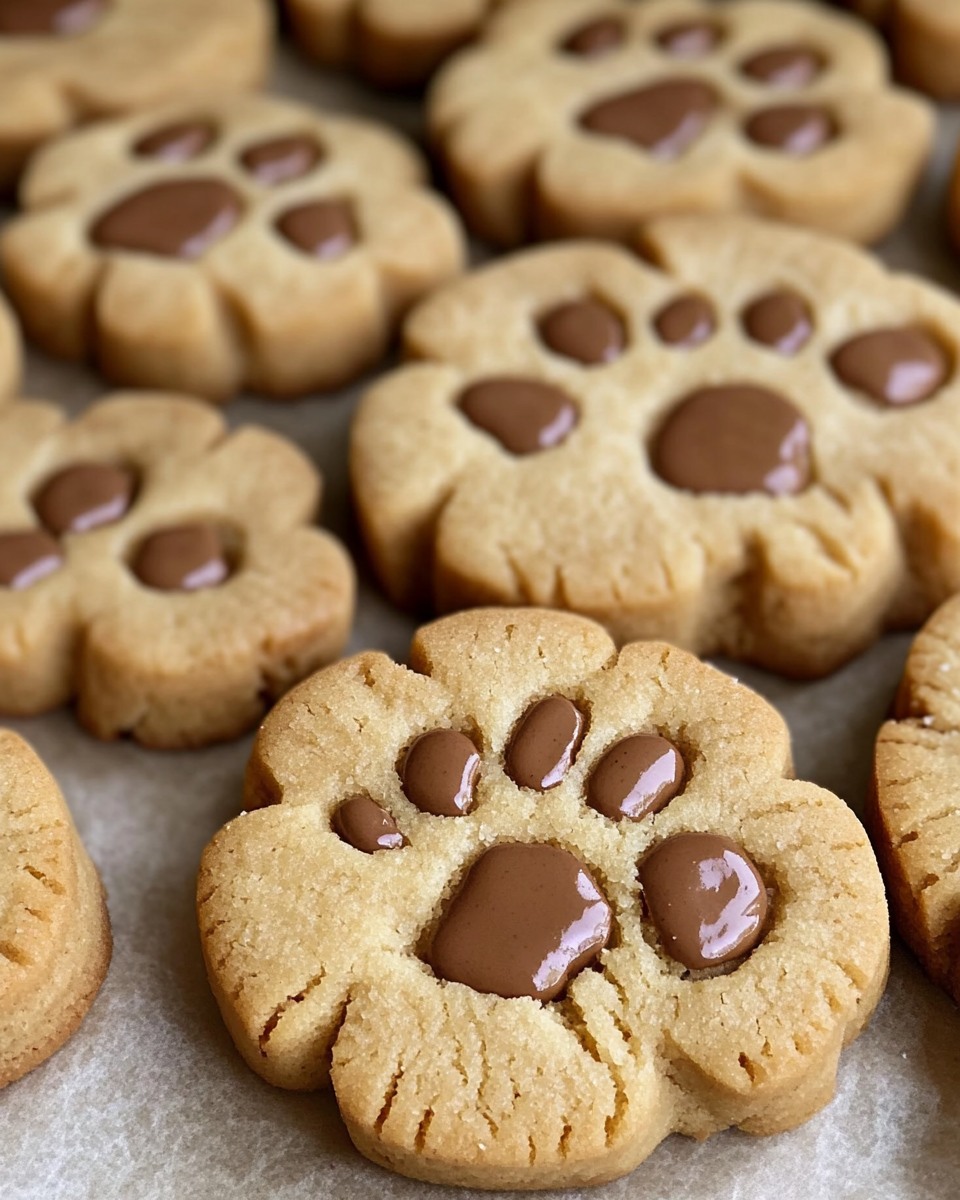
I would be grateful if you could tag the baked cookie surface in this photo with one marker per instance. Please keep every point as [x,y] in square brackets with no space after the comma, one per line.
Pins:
[67,61]
[582,117]
[216,245]
[925,39]
[160,571]
[476,905]
[915,814]
[54,929]
[749,448]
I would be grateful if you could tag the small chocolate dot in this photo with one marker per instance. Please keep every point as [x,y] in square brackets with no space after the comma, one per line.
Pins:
[61,18]
[596,38]
[793,66]
[587,331]
[324,229]
[439,773]
[690,39]
[281,160]
[524,415]
[780,320]
[26,557]
[635,777]
[177,143]
[84,497]
[545,743]
[364,825]
[183,558]
[895,366]
[686,322]
[794,129]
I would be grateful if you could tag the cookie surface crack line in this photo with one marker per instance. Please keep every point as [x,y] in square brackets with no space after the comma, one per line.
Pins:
[54,885]
[274,1019]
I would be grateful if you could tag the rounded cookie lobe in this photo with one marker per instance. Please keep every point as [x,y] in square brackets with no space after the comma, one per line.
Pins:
[793,66]
[525,920]
[524,415]
[182,558]
[705,898]
[690,39]
[795,129]
[545,743]
[178,218]
[895,366]
[363,824]
[596,38]
[635,777]
[735,439]
[781,320]
[282,160]
[439,773]
[664,118]
[324,229]
[588,331]
[27,18]
[686,322]
[27,557]
[179,142]
[84,497]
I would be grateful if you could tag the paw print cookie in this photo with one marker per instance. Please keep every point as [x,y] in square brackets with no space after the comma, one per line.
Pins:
[217,245]
[54,930]
[582,117]
[925,39]
[63,62]
[915,807]
[498,900]
[745,445]
[159,571]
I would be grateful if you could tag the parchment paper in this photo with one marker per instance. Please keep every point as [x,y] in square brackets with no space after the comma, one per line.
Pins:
[151,1100]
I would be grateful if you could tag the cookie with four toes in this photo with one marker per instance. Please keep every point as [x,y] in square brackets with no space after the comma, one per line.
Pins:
[222,244]
[582,117]
[159,571]
[54,929]
[497,901]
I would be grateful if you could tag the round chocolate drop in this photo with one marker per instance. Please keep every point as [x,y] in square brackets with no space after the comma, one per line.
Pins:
[596,38]
[792,66]
[179,218]
[545,743]
[664,118]
[735,439]
[439,773]
[177,143]
[895,366]
[781,320]
[364,825]
[587,331]
[84,497]
[705,897]
[524,415]
[324,229]
[690,39]
[686,322]
[183,558]
[26,557]
[635,777]
[39,18]
[281,160]
[526,919]
[794,129]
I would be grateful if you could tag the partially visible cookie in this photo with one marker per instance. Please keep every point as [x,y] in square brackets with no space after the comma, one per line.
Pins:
[915,817]
[220,244]
[54,928]
[67,61]
[925,38]
[160,571]
[532,905]
[582,117]
[11,353]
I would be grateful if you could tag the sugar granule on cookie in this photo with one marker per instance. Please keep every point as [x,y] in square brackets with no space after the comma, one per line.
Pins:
[915,804]
[54,929]
[583,117]
[220,244]
[745,443]
[63,62]
[159,571]
[500,900]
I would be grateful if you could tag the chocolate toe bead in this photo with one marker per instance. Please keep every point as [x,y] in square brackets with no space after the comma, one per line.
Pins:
[665,118]
[794,129]
[596,38]
[690,39]
[84,497]
[183,558]
[686,322]
[895,366]
[545,743]
[324,229]
[524,415]
[793,66]
[281,160]
[179,218]
[780,320]
[26,557]
[637,776]
[37,18]
[364,825]
[177,143]
[439,773]
[587,331]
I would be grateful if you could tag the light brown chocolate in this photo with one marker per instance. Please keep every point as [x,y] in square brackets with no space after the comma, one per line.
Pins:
[439,773]
[787,67]
[690,39]
[588,331]
[795,129]
[781,320]
[282,160]
[177,143]
[686,322]
[36,18]
[545,743]
[894,366]
[85,496]
[663,118]
[364,825]
[325,229]
[178,218]
[26,557]
[524,415]
[596,38]
[183,558]
[635,777]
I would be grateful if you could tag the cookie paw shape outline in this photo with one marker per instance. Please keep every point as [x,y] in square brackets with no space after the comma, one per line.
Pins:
[55,939]
[319,952]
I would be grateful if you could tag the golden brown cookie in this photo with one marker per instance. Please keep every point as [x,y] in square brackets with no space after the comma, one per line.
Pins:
[925,37]
[748,445]
[222,244]
[915,817]
[581,117]
[499,901]
[67,61]
[160,571]
[11,353]
[54,928]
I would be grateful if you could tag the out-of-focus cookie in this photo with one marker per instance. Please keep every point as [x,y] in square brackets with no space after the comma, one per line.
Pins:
[581,117]
[747,444]
[915,811]
[500,898]
[160,571]
[11,353]
[925,38]
[67,61]
[216,245]
[54,929]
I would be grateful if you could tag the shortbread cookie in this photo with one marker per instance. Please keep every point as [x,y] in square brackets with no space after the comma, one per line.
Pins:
[915,815]
[500,901]
[54,928]
[925,38]
[226,244]
[67,61]
[580,117]
[11,353]
[159,571]
[751,448]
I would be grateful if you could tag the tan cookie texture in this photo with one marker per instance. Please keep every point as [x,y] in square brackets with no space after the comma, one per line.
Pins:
[797,571]
[216,245]
[915,817]
[548,129]
[11,353]
[67,61]
[925,37]
[54,929]
[177,586]
[318,953]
